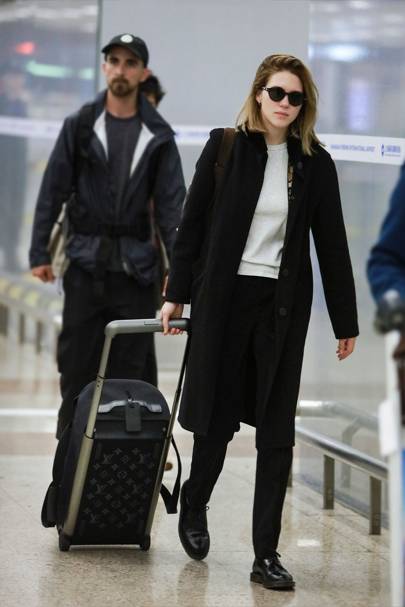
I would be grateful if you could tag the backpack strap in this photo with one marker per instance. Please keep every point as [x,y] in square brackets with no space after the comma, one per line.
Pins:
[224,152]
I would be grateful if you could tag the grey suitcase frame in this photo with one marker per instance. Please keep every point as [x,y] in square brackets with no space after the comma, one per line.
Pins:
[118,327]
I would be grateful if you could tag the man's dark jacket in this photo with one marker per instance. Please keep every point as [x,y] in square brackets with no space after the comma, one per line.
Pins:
[205,262]
[386,265]
[155,173]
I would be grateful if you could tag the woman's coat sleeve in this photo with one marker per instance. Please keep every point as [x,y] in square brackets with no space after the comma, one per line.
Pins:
[330,239]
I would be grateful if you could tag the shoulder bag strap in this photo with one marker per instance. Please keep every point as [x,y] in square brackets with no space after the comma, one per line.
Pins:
[224,152]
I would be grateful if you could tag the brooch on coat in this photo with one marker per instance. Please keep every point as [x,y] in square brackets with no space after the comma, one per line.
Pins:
[290,181]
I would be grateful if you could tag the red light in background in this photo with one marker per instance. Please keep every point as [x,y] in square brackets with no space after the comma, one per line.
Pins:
[25,48]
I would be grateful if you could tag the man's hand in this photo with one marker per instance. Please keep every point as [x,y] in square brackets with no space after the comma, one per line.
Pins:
[170,311]
[44,273]
[345,347]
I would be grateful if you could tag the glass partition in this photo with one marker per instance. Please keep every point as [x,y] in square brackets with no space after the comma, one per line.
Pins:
[47,70]
[357,53]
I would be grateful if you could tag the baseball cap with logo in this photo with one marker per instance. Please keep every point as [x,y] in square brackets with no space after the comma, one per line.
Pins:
[134,44]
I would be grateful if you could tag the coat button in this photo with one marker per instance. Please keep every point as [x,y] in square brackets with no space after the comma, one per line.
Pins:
[300,166]
[285,272]
[282,311]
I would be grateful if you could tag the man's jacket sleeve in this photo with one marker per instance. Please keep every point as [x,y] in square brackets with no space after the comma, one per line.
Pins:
[56,187]
[386,264]
[169,193]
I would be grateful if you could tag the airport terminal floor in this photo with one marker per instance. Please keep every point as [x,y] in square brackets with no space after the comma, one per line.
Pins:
[334,560]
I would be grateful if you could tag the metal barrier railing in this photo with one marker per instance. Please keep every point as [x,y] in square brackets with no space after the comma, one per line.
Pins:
[34,301]
[39,303]
[357,420]
[335,450]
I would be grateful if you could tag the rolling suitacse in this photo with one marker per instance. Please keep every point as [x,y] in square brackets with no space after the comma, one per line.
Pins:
[109,464]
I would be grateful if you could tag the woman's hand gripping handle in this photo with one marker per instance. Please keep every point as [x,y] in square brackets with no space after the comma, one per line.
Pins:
[169,311]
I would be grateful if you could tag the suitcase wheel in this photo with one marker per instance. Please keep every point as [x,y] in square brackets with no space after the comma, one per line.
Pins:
[64,542]
[145,544]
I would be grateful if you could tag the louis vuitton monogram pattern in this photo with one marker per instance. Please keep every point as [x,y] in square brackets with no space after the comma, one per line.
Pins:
[118,491]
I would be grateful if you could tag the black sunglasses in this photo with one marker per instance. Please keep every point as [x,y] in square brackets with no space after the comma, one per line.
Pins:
[277,93]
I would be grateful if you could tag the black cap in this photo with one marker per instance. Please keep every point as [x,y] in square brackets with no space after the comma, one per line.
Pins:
[132,43]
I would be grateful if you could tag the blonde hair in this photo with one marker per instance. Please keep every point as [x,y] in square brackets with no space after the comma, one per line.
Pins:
[302,128]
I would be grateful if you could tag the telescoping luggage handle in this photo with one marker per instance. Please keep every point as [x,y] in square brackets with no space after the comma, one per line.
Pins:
[126,327]
[121,327]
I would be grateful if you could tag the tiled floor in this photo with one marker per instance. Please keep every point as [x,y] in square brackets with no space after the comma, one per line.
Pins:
[334,560]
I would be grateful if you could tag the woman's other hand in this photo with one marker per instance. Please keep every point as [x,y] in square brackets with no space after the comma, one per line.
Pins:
[168,312]
[345,347]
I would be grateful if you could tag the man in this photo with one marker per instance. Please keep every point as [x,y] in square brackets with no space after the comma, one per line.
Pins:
[114,166]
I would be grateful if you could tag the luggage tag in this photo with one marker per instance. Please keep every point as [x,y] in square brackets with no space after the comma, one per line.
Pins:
[133,420]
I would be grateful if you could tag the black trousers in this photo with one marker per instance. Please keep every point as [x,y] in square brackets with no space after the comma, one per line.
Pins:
[85,315]
[248,345]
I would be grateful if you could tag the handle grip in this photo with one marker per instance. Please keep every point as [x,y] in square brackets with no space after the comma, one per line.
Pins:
[146,325]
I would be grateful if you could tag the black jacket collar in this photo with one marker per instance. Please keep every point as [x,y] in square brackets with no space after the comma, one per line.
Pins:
[147,113]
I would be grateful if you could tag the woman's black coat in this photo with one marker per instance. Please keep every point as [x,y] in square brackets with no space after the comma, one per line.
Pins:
[205,261]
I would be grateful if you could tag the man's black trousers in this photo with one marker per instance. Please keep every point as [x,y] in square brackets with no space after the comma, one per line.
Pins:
[247,352]
[85,314]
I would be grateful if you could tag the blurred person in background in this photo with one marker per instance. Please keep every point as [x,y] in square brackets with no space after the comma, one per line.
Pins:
[115,154]
[13,163]
[152,89]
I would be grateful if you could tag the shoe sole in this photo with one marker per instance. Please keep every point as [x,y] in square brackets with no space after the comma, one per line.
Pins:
[258,579]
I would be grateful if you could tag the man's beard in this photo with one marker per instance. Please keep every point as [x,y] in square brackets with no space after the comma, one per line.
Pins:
[121,88]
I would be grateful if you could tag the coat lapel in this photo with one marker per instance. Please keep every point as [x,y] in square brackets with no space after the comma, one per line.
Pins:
[252,157]
[233,214]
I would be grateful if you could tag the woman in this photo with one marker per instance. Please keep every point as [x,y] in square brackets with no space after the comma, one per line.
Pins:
[244,262]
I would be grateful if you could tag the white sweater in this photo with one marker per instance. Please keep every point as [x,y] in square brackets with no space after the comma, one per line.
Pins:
[264,245]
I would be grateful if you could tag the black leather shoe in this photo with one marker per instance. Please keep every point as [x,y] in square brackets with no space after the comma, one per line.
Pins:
[193,530]
[271,573]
